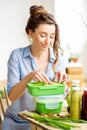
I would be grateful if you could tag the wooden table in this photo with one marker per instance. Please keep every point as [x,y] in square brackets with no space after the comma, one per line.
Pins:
[35,125]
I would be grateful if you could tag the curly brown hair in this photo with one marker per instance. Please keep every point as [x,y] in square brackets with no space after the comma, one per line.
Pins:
[38,15]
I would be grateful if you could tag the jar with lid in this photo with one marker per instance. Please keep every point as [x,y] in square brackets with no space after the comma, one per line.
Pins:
[75,103]
[84,104]
[75,83]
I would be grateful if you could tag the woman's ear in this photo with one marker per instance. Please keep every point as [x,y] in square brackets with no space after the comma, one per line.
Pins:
[30,32]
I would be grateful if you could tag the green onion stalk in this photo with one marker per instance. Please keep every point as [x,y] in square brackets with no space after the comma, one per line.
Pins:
[71,120]
[56,122]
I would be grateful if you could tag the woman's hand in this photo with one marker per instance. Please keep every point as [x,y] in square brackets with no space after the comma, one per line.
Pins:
[60,77]
[39,75]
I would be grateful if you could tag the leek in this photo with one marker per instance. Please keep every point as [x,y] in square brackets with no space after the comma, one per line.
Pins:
[59,124]
[69,120]
[50,121]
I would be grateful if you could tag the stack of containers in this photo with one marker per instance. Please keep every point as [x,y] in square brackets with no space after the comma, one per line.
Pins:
[48,98]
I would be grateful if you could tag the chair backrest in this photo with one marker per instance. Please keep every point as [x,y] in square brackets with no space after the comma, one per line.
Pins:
[2,109]
[4,100]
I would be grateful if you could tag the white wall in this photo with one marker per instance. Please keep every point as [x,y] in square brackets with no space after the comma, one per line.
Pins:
[71,16]
[48,4]
[13,19]
[13,15]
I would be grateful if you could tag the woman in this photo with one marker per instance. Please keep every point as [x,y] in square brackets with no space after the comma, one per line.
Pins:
[40,61]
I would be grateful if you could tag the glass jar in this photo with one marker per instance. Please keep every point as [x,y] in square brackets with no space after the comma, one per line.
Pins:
[75,103]
[84,104]
[75,83]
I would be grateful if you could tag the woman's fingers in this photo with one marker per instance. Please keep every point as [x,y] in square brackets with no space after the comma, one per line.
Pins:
[43,77]
[66,77]
[39,75]
[58,77]
[61,77]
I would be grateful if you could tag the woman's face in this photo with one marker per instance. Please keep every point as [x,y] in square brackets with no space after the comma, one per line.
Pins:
[43,36]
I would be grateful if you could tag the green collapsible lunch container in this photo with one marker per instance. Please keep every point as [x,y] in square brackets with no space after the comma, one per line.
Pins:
[41,88]
[49,104]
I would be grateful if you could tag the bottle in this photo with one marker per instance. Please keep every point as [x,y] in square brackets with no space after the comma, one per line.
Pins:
[75,100]
[75,83]
[84,104]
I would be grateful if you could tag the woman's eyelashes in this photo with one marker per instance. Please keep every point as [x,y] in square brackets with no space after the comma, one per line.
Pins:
[45,36]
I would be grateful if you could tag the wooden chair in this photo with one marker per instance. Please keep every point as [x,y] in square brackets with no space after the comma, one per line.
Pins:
[4,102]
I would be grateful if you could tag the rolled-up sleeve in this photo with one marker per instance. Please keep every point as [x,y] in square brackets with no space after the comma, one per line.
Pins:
[13,73]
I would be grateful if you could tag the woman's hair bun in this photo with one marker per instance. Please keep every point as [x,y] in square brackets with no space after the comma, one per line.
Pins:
[35,9]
